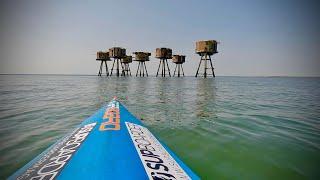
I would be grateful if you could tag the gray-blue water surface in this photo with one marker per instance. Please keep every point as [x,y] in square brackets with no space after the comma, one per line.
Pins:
[227,127]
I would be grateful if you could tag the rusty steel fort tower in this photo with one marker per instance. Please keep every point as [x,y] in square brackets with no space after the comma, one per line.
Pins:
[117,53]
[126,61]
[178,60]
[142,57]
[206,49]
[103,57]
[163,54]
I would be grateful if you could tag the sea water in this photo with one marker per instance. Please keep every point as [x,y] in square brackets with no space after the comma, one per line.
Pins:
[223,127]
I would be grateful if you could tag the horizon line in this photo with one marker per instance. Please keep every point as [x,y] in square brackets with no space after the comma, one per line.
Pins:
[155,75]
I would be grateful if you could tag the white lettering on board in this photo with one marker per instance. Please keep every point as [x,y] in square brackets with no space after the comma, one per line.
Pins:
[157,162]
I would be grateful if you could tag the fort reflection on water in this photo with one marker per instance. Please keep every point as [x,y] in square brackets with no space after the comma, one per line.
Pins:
[168,102]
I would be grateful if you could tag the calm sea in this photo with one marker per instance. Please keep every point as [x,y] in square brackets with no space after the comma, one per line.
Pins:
[227,127]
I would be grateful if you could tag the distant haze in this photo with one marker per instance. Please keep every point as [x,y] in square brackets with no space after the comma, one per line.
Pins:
[258,38]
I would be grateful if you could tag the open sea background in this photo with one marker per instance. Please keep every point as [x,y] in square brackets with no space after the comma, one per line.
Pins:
[223,128]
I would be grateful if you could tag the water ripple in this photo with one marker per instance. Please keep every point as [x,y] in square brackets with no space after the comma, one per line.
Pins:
[235,127]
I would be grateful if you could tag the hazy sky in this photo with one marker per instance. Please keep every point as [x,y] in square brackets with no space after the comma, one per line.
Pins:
[258,37]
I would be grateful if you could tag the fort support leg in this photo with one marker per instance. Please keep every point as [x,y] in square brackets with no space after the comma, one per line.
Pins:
[138,69]
[168,68]
[158,68]
[127,69]
[123,73]
[174,72]
[145,68]
[182,69]
[212,67]
[142,68]
[164,68]
[199,66]
[100,69]
[162,73]
[118,73]
[107,70]
[112,67]
[124,69]
[205,66]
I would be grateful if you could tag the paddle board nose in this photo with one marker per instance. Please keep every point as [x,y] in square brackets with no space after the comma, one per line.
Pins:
[110,144]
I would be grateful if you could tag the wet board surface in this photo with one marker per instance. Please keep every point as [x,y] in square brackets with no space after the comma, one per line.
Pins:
[111,144]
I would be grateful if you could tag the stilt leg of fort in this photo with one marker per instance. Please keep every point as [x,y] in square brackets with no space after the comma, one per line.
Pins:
[112,67]
[118,73]
[168,68]
[142,68]
[158,68]
[100,69]
[212,67]
[174,72]
[162,72]
[199,66]
[138,69]
[123,73]
[145,68]
[182,69]
[205,66]
[107,70]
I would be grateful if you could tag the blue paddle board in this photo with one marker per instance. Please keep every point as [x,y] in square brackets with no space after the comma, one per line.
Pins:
[111,144]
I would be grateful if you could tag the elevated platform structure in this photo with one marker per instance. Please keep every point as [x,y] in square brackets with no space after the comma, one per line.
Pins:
[103,57]
[206,49]
[163,54]
[142,57]
[126,61]
[117,53]
[178,60]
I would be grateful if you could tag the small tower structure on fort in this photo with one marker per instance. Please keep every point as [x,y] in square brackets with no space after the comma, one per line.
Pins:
[206,49]
[103,57]
[178,60]
[163,54]
[117,53]
[126,61]
[142,57]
